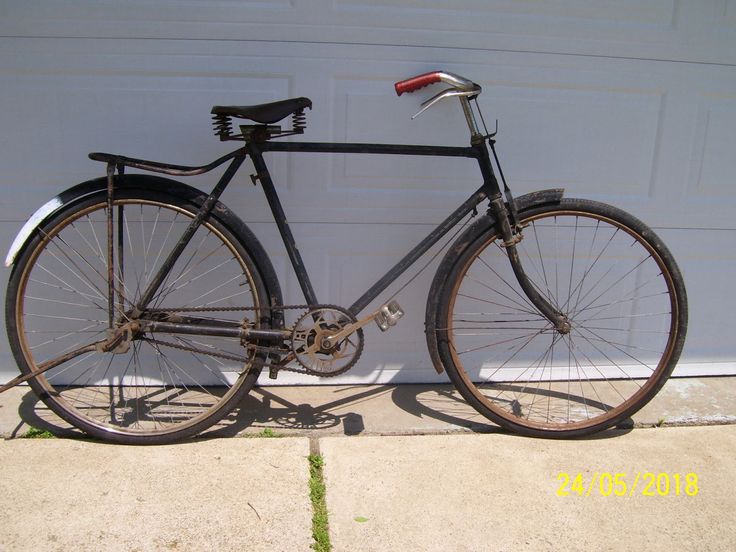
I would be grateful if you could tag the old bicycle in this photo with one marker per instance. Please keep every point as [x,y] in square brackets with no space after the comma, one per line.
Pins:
[141,310]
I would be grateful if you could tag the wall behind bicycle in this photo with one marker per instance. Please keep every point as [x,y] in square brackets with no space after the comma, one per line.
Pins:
[632,103]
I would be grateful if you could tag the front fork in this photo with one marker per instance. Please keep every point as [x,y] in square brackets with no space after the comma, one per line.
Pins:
[501,213]
[501,216]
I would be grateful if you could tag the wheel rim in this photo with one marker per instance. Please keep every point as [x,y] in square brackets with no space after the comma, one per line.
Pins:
[619,297]
[156,387]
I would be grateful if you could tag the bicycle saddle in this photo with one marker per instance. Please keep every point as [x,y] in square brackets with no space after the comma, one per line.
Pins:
[267,113]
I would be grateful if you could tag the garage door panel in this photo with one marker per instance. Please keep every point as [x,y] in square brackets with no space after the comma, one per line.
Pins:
[713,163]
[658,12]
[60,120]
[631,103]
[708,262]
[657,29]
[597,133]
[579,137]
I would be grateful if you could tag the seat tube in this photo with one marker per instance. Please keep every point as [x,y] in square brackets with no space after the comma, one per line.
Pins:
[279,216]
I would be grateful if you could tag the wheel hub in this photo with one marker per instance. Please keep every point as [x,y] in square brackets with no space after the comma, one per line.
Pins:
[563,326]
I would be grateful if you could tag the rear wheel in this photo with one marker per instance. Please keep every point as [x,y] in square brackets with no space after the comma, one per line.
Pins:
[164,387]
[621,291]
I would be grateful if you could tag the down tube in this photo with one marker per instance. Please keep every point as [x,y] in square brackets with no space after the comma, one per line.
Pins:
[411,257]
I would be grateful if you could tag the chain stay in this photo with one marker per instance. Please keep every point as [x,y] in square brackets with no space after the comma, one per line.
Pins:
[253,347]
[226,356]
[235,309]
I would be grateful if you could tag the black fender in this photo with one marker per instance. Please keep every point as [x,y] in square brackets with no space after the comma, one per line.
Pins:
[523,203]
[78,193]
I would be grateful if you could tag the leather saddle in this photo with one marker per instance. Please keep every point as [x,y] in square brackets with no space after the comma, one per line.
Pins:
[267,113]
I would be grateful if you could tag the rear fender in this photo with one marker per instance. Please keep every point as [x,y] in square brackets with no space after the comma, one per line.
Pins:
[81,191]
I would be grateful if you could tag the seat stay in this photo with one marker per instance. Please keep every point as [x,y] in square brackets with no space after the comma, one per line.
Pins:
[204,212]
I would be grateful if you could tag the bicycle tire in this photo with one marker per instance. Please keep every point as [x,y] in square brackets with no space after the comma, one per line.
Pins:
[603,268]
[56,295]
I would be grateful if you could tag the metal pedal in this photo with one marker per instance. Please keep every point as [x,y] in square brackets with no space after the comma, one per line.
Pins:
[388,315]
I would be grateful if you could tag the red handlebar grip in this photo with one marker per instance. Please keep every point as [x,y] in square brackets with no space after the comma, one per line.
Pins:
[414,83]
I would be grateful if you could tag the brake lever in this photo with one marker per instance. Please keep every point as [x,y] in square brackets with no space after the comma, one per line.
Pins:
[448,93]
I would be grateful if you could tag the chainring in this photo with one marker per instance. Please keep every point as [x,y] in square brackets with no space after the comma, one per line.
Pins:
[317,324]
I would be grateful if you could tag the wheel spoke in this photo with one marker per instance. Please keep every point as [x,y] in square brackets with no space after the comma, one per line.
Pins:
[609,282]
[141,391]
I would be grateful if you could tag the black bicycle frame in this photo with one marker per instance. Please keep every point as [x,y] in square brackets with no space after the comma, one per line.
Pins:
[488,190]
[256,150]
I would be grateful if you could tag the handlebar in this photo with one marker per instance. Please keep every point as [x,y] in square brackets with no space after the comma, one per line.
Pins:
[460,87]
[420,81]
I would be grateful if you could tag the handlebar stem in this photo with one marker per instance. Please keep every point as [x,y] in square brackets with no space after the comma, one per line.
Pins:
[472,125]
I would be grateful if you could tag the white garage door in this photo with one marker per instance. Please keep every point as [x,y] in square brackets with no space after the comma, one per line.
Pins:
[629,102]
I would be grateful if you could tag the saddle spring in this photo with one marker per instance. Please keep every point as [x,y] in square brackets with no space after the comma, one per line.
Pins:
[298,122]
[223,126]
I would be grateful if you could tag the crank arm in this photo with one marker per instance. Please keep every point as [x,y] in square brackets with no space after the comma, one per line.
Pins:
[383,312]
[329,341]
[346,331]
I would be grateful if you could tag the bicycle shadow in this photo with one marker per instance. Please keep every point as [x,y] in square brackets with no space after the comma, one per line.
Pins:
[444,403]
[262,408]
[358,409]
[269,407]
[36,414]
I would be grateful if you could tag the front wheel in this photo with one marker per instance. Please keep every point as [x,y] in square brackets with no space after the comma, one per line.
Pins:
[621,291]
[159,387]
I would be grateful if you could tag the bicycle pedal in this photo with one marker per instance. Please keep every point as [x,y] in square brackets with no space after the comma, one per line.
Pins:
[388,315]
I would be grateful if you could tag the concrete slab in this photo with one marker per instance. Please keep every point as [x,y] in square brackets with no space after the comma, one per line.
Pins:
[499,492]
[390,409]
[226,494]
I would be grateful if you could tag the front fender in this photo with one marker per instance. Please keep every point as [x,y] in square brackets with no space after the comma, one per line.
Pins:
[523,203]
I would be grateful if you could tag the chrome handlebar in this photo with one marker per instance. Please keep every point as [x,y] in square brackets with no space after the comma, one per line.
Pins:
[460,87]
[461,83]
